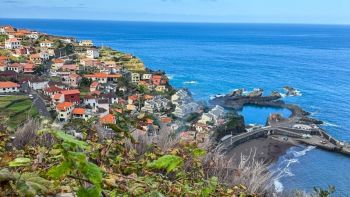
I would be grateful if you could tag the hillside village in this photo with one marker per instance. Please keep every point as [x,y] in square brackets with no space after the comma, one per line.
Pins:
[69,79]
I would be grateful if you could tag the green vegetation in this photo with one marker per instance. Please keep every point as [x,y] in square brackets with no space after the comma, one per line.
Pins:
[115,166]
[2,39]
[15,110]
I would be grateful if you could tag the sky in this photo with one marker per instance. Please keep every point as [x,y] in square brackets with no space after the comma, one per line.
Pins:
[235,11]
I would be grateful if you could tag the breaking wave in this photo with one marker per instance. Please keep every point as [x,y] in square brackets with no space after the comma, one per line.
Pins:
[282,167]
[330,124]
[170,77]
[190,82]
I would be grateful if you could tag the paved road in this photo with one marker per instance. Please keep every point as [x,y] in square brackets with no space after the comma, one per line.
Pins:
[38,101]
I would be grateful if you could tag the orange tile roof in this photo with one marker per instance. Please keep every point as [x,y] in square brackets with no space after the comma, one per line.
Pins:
[67,92]
[156,76]
[148,97]
[56,96]
[166,120]
[69,67]
[133,97]
[114,76]
[3,57]
[79,111]
[103,75]
[8,84]
[97,75]
[108,119]
[149,121]
[28,66]
[57,61]
[64,106]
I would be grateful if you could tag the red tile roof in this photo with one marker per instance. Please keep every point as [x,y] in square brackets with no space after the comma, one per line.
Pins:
[94,84]
[28,66]
[12,40]
[67,92]
[53,89]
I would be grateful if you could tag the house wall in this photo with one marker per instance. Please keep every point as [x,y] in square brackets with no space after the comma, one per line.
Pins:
[74,98]
[6,90]
[38,85]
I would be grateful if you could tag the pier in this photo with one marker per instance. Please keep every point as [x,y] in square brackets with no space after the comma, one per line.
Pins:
[298,128]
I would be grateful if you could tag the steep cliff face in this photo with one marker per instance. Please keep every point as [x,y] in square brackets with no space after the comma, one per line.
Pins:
[234,126]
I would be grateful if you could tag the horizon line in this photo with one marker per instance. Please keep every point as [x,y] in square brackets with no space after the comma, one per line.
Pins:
[188,22]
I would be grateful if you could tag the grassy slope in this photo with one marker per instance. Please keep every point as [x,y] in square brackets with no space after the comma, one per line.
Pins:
[16,109]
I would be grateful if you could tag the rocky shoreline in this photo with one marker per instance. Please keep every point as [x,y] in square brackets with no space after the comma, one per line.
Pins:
[296,129]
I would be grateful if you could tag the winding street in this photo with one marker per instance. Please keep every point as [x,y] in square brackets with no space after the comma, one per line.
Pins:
[38,101]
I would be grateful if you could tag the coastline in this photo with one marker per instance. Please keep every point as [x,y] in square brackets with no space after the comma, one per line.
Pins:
[267,150]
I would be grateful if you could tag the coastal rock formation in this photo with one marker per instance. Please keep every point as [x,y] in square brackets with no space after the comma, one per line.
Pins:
[275,94]
[237,92]
[257,92]
[290,91]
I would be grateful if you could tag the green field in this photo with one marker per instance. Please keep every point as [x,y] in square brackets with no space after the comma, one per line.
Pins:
[15,110]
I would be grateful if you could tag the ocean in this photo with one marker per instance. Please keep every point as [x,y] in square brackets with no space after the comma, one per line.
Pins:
[212,59]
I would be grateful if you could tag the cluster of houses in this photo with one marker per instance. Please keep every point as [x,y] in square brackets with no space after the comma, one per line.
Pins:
[103,93]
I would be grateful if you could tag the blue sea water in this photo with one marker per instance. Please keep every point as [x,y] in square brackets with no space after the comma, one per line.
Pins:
[214,59]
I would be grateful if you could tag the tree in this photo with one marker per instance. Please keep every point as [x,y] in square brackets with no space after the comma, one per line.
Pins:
[69,49]
[39,69]
[85,82]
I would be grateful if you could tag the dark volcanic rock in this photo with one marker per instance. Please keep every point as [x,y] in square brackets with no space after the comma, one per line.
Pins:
[256,93]
[237,92]
[290,91]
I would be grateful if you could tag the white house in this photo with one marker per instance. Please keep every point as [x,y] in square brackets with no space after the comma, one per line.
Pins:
[12,43]
[64,111]
[82,113]
[15,67]
[8,86]
[38,84]
[92,53]
[86,43]
[46,43]
[44,55]
[90,101]
[33,35]
[186,109]
[135,77]
[213,115]
[181,96]
[146,76]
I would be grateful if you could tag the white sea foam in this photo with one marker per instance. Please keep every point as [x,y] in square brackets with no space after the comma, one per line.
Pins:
[215,96]
[278,186]
[330,124]
[283,95]
[303,152]
[283,168]
[190,82]
[170,77]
